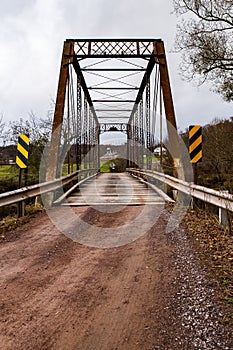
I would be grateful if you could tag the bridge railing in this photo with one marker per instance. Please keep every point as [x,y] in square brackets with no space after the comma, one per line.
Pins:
[207,195]
[26,192]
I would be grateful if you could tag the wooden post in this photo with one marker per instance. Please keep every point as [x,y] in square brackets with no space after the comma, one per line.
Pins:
[21,205]
[195,181]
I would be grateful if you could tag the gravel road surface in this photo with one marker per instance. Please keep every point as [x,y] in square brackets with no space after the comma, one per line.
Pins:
[149,294]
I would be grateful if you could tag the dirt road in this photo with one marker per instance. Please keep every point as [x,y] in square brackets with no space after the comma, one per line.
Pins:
[149,294]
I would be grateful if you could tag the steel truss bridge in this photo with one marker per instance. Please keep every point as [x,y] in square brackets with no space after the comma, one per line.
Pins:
[111,85]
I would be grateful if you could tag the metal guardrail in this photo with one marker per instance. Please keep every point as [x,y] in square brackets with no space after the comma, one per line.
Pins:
[64,196]
[207,195]
[217,198]
[26,192]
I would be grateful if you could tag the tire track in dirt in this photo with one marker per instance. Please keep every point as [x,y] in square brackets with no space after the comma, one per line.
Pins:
[66,296]
[59,295]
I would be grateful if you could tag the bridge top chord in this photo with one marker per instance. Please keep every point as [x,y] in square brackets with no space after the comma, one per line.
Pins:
[113,47]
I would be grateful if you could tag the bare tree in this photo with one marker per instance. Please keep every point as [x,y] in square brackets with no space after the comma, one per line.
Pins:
[36,128]
[2,130]
[218,147]
[205,36]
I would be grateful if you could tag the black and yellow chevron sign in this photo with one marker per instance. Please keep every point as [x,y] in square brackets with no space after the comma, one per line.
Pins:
[22,151]
[195,143]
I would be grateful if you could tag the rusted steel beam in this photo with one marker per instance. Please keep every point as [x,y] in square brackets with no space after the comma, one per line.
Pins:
[99,48]
[68,50]
[107,40]
[173,137]
[159,52]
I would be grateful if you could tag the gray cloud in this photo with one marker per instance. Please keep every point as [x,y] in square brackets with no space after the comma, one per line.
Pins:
[31,39]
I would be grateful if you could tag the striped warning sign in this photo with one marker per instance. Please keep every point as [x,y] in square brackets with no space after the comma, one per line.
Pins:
[195,143]
[22,151]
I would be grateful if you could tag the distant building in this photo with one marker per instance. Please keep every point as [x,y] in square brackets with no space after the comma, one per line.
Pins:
[109,154]
[157,151]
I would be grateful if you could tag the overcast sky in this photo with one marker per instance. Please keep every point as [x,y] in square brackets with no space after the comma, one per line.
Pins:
[31,38]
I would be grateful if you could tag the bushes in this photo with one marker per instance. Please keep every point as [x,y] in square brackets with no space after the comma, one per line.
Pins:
[120,165]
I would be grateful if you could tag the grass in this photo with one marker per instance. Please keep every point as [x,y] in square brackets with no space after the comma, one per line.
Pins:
[11,222]
[9,176]
[229,300]
[105,167]
[73,168]
[8,172]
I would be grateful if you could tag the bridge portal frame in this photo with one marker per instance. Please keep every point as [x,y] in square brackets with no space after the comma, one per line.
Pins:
[78,49]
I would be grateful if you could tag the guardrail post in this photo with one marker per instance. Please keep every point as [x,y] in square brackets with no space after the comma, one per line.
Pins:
[21,209]
[222,213]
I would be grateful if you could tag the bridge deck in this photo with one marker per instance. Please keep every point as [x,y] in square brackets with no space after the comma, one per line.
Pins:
[114,189]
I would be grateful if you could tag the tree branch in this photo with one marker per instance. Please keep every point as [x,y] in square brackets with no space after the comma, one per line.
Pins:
[212,18]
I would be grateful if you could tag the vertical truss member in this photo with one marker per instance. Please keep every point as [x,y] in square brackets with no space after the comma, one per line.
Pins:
[129,136]
[133,141]
[85,133]
[89,137]
[148,127]
[136,139]
[79,125]
[97,142]
[141,137]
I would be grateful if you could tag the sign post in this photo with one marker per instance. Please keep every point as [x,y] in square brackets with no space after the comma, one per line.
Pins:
[22,163]
[195,143]
[195,148]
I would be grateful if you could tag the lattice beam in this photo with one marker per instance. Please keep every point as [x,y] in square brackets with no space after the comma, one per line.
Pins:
[106,127]
[113,48]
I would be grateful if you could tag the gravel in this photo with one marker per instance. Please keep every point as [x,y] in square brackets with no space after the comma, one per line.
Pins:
[195,302]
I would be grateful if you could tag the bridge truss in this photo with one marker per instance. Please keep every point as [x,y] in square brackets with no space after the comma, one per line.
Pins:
[110,85]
